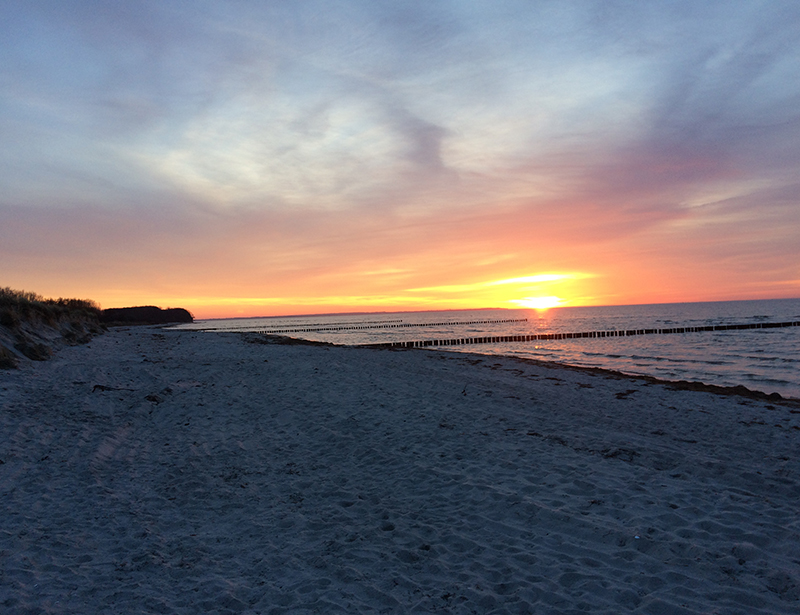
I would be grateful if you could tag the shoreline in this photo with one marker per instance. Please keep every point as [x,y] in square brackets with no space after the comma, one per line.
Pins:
[678,385]
[682,385]
[175,471]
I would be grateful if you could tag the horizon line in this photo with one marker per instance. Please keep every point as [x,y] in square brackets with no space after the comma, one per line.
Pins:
[477,309]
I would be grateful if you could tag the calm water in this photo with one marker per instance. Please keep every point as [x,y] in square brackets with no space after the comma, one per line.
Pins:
[761,359]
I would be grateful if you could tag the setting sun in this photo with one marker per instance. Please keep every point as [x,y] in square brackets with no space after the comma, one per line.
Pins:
[538,303]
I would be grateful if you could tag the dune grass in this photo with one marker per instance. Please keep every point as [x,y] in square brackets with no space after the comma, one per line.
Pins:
[18,306]
[26,315]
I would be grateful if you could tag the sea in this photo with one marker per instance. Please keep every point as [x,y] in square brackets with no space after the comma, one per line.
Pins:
[761,359]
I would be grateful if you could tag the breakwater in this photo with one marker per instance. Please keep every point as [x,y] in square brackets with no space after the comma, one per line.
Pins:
[499,339]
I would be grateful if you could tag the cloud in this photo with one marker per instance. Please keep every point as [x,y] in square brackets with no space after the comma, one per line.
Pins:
[530,279]
[301,145]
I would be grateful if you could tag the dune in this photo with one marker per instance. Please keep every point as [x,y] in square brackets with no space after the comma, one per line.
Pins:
[181,472]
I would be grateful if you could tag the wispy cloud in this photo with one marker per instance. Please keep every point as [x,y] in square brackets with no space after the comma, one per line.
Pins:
[525,282]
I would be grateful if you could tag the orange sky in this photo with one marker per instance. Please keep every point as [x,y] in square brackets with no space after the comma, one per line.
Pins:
[238,160]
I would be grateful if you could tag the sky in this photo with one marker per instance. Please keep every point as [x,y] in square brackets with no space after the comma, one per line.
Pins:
[246,158]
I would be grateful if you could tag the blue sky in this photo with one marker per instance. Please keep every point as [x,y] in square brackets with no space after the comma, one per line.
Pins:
[341,155]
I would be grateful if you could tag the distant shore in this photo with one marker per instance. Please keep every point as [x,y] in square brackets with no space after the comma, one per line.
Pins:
[181,471]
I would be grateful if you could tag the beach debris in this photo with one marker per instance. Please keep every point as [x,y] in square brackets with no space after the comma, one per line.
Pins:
[103,387]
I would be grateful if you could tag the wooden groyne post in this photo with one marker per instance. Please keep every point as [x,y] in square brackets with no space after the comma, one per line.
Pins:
[502,339]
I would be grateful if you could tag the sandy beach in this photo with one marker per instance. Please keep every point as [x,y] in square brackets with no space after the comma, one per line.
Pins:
[158,471]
